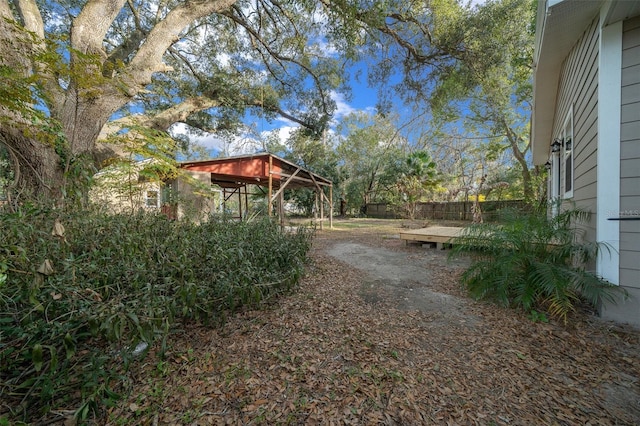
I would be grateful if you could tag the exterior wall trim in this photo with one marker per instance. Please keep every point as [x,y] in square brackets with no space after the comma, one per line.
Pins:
[608,154]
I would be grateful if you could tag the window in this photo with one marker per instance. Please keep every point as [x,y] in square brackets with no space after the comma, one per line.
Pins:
[555,175]
[554,181]
[152,198]
[567,155]
[561,179]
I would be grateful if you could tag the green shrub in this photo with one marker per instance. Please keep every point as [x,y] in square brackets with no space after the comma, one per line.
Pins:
[75,302]
[534,262]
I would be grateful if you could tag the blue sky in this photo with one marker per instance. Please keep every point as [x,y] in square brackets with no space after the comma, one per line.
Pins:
[363,98]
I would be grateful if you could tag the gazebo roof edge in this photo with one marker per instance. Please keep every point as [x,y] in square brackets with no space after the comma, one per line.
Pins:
[321,180]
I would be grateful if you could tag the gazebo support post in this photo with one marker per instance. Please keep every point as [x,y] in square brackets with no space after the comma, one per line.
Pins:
[321,209]
[224,201]
[270,185]
[246,201]
[331,206]
[281,209]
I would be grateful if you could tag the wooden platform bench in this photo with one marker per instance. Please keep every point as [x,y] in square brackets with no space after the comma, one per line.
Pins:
[439,235]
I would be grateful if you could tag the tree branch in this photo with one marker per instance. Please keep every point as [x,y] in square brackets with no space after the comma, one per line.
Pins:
[131,43]
[278,57]
[93,22]
[24,45]
[166,32]
[31,18]
[163,120]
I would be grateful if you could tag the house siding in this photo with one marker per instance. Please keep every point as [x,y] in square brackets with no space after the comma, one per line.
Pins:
[630,155]
[599,84]
[578,87]
[192,205]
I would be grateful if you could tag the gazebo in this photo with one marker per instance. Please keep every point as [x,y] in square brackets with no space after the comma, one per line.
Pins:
[266,171]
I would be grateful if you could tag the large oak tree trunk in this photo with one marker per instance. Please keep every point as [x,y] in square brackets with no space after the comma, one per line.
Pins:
[36,166]
[84,105]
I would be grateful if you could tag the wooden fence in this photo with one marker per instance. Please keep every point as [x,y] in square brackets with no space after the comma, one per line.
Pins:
[455,210]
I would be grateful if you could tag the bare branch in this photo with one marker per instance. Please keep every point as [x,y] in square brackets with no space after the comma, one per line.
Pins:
[174,52]
[278,57]
[132,42]
[163,120]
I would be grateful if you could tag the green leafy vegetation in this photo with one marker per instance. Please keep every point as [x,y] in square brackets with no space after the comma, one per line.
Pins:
[534,262]
[107,85]
[83,295]
[417,175]
[370,155]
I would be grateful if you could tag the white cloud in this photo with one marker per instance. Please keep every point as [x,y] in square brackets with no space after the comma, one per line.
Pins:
[209,141]
[244,143]
[285,132]
[343,108]
[249,141]
[474,3]
[324,48]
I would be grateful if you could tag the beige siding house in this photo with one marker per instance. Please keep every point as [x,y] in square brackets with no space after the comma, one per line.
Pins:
[124,190]
[586,127]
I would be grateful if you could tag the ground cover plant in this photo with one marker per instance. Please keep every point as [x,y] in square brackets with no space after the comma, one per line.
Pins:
[347,347]
[83,294]
[535,262]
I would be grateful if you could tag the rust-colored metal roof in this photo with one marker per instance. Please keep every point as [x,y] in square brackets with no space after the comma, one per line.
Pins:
[232,172]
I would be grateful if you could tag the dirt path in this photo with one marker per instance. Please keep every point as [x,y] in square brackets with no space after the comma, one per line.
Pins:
[405,280]
[381,333]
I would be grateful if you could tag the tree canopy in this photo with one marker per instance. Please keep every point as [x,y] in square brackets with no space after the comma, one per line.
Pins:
[467,68]
[90,69]
[86,81]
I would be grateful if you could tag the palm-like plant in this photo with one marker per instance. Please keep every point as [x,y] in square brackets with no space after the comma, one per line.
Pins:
[417,174]
[533,261]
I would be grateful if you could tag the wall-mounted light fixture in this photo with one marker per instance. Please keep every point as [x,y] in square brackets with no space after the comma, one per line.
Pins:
[555,146]
[568,144]
[547,165]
